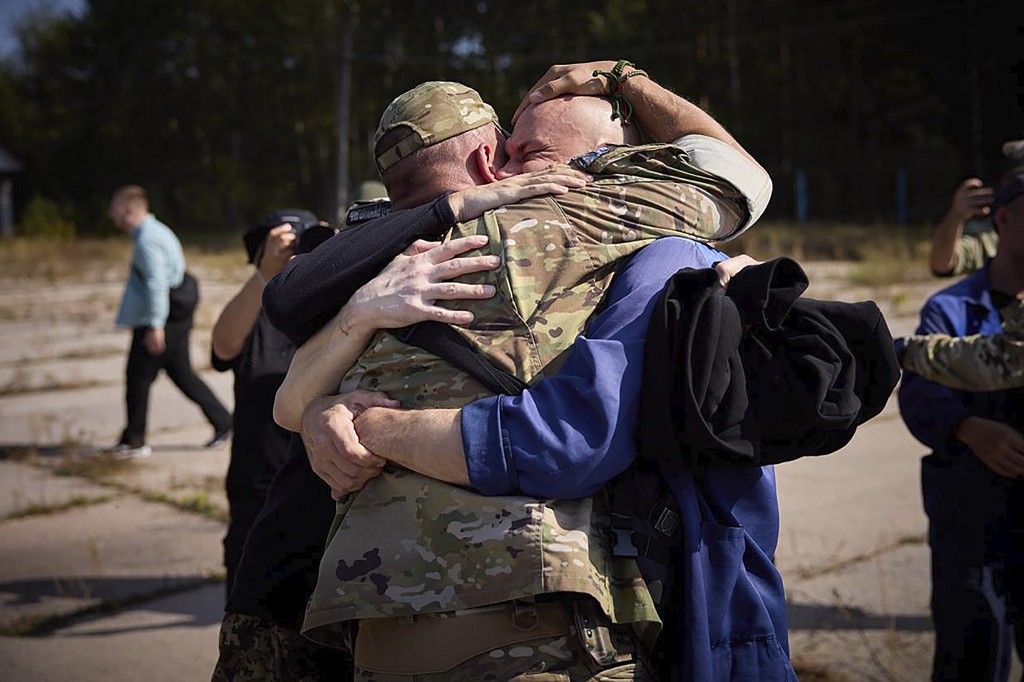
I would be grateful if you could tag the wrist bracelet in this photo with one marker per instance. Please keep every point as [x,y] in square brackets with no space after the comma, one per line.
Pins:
[621,107]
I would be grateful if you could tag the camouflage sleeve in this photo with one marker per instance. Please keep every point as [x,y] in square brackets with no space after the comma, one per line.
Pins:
[973,249]
[971,363]
[643,181]
[717,157]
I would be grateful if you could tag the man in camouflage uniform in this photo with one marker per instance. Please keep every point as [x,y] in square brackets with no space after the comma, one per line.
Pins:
[966,237]
[467,563]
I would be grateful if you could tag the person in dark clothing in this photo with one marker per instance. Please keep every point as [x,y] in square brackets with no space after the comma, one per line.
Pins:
[159,302]
[244,341]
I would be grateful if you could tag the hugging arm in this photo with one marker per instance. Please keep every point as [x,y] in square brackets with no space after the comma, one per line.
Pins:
[566,435]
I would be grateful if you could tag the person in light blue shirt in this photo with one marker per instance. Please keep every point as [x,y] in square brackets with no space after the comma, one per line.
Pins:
[159,302]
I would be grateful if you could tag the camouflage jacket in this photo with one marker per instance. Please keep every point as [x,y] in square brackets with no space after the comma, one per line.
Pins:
[976,245]
[406,544]
[975,362]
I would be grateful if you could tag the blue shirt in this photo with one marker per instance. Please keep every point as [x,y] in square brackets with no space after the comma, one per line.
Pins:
[158,265]
[931,411]
[571,433]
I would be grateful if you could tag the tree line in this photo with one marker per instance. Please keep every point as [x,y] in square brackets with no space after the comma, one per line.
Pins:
[227,109]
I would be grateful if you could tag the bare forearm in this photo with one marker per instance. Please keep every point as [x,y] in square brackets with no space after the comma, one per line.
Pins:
[667,117]
[428,442]
[319,366]
[237,319]
[947,233]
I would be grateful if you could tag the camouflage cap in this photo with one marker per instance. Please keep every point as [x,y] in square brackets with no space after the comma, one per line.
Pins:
[435,111]
[1013,152]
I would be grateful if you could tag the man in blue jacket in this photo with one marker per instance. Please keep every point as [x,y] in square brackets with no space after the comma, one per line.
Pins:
[970,481]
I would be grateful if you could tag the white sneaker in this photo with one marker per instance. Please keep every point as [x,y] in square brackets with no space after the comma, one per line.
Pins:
[126,451]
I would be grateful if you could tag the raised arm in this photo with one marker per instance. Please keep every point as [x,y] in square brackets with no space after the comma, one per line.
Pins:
[236,321]
[665,116]
[406,291]
[970,199]
[313,287]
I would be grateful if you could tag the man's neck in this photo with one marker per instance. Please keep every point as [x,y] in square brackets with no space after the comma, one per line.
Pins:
[1006,275]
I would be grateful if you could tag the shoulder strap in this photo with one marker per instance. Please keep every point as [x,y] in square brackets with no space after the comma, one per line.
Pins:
[443,341]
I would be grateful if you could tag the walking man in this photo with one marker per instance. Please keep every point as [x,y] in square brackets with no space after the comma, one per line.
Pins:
[158,304]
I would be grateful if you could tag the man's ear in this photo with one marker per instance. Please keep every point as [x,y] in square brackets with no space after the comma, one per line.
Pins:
[482,162]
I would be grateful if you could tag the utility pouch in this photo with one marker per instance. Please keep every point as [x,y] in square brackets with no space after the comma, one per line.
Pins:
[605,643]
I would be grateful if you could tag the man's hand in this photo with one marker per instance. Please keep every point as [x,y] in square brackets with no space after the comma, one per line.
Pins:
[278,249]
[471,203]
[998,445]
[332,445]
[406,291]
[972,198]
[568,79]
[730,266]
[154,341]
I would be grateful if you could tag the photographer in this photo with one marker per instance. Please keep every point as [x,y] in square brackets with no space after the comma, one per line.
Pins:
[244,340]
[966,237]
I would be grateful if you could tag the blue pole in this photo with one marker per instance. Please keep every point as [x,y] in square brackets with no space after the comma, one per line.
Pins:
[901,196]
[801,197]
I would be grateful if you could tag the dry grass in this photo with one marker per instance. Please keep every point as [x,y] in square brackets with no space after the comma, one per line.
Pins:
[97,259]
[881,254]
[44,508]
[99,469]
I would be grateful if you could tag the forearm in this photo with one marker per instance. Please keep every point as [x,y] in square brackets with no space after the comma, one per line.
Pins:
[667,117]
[314,286]
[319,365]
[237,319]
[968,363]
[944,240]
[428,442]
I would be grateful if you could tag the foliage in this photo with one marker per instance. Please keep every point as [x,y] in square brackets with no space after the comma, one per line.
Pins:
[45,219]
[226,109]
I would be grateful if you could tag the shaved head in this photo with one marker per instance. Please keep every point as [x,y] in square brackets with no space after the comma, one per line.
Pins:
[559,129]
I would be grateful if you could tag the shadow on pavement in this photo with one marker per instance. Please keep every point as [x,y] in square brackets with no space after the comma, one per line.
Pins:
[194,608]
[822,617]
[99,588]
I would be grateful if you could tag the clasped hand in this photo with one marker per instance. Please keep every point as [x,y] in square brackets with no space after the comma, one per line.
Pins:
[332,444]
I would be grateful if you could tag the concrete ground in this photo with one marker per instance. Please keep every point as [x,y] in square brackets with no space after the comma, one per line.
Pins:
[110,570]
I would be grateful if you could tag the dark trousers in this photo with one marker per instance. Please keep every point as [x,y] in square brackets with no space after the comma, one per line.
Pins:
[245,499]
[279,566]
[142,370]
[973,518]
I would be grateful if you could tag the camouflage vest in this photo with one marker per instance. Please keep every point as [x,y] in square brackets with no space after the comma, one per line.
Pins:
[407,544]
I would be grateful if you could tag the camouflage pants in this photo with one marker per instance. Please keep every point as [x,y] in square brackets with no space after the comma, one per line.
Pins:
[256,650]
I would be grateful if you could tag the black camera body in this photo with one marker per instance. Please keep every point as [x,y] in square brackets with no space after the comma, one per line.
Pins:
[309,232]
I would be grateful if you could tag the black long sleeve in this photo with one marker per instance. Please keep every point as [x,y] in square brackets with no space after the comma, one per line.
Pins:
[314,286]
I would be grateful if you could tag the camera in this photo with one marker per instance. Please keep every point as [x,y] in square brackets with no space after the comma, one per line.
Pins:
[309,232]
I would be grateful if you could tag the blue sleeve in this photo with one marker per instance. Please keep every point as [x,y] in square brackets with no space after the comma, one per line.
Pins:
[570,433]
[931,411]
[155,270]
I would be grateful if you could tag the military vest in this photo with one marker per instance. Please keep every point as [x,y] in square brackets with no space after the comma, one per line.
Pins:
[407,544]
